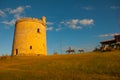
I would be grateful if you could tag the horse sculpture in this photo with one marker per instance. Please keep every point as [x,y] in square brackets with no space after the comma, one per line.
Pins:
[70,50]
[81,51]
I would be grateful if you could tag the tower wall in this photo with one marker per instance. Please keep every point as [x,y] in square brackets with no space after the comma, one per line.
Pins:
[30,37]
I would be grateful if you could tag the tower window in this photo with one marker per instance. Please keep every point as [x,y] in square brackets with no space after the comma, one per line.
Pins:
[16,51]
[30,47]
[38,30]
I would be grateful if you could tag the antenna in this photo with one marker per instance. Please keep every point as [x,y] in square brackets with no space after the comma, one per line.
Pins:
[118,18]
[61,45]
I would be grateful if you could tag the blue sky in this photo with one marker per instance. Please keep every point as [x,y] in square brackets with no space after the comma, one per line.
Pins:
[80,24]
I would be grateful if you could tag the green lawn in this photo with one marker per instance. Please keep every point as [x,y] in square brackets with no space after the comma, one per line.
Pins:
[85,66]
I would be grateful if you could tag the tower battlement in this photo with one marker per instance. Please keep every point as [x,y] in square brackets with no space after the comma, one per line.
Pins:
[42,20]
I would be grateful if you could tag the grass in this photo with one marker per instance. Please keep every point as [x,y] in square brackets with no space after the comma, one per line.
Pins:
[89,66]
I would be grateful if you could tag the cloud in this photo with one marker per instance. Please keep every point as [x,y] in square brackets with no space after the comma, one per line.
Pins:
[107,35]
[75,27]
[28,6]
[2,14]
[87,22]
[50,23]
[77,23]
[17,16]
[49,28]
[18,10]
[73,24]
[115,7]
[14,14]
[58,29]
[72,21]
[10,23]
[87,8]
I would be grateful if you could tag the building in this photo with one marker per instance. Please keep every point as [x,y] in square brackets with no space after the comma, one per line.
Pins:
[30,37]
[111,44]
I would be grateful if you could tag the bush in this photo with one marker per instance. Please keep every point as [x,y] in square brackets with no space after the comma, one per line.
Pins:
[3,57]
[55,53]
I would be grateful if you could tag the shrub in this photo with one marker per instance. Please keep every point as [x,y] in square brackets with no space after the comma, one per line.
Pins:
[55,53]
[3,57]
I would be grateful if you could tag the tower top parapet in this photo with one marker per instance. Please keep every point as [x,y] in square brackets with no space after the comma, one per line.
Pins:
[42,20]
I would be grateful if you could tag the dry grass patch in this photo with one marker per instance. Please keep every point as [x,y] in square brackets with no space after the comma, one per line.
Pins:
[86,66]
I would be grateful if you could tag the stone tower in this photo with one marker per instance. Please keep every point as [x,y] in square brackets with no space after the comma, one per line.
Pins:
[30,37]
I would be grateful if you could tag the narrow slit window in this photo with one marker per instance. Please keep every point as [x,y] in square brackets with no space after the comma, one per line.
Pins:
[38,30]
[16,51]
[30,47]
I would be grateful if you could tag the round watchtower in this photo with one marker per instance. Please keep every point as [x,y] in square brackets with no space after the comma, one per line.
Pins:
[30,37]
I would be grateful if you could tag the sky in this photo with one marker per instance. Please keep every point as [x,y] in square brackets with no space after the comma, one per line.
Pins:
[79,24]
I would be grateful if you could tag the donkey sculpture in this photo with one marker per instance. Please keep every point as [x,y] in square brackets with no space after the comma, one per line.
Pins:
[81,50]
